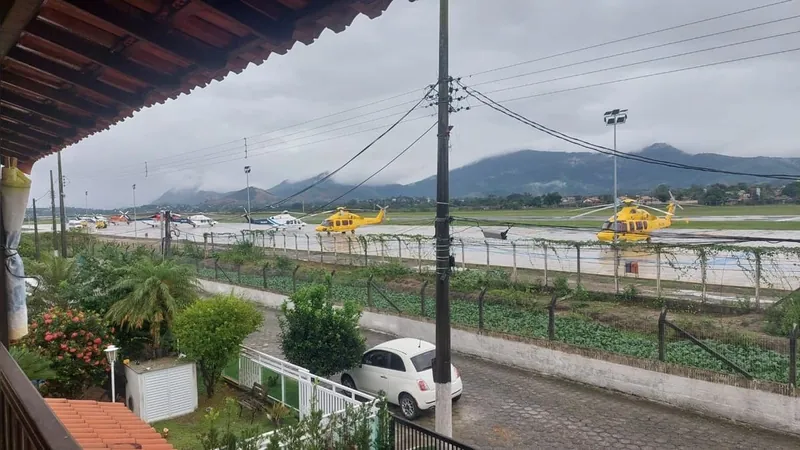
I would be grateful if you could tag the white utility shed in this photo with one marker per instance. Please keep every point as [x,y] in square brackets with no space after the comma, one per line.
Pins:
[162,388]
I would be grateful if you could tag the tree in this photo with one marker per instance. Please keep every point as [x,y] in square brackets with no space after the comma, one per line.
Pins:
[74,341]
[157,292]
[210,332]
[552,199]
[661,192]
[52,275]
[35,365]
[319,337]
[792,190]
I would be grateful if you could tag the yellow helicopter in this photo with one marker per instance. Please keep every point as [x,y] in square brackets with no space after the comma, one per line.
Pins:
[343,220]
[633,223]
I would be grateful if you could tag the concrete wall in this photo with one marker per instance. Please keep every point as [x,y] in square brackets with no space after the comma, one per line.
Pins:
[765,409]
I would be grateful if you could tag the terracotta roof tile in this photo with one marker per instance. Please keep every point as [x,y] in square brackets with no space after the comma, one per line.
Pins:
[112,426]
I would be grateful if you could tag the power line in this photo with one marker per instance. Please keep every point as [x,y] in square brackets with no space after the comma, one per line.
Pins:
[628,38]
[636,63]
[650,75]
[605,150]
[652,47]
[374,174]
[329,175]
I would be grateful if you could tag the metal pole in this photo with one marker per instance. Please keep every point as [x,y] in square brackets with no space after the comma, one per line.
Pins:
[53,211]
[441,372]
[135,227]
[86,201]
[62,212]
[35,232]
[247,175]
[615,181]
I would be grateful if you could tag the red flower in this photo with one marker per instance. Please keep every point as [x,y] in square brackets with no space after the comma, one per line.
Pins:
[59,357]
[74,335]
[72,350]
[48,321]
[47,316]
[98,341]
[48,337]
[79,355]
[76,319]
[63,346]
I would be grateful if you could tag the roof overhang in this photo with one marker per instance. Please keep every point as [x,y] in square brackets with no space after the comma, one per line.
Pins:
[71,68]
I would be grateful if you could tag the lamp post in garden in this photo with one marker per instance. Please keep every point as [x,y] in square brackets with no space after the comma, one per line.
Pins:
[111,353]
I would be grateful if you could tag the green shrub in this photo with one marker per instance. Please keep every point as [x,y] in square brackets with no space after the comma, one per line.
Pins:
[319,337]
[561,286]
[211,331]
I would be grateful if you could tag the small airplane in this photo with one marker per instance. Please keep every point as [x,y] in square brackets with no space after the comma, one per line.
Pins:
[282,221]
[343,220]
[633,223]
[156,219]
[199,220]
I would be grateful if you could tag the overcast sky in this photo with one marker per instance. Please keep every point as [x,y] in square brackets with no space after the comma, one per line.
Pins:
[742,109]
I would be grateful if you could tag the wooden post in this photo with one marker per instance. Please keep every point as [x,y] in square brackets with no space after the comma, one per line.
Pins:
[399,248]
[793,357]
[296,248]
[205,245]
[488,263]
[480,309]
[658,272]
[422,297]
[321,249]
[419,254]
[463,255]
[578,251]
[703,274]
[551,318]
[758,279]
[616,269]
[514,257]
[544,247]
[662,335]
[264,276]
[284,241]
[349,250]
[383,249]
[294,278]
[308,248]
[335,253]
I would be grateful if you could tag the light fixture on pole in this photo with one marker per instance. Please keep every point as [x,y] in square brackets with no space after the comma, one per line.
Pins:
[135,234]
[612,118]
[247,176]
[111,354]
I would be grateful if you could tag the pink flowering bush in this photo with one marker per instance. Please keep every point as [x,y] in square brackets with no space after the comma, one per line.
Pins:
[74,341]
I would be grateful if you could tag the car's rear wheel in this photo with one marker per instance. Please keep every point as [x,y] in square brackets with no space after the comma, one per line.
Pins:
[456,398]
[408,406]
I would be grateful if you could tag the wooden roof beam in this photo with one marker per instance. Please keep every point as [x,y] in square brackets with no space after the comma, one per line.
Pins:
[63,73]
[30,133]
[15,15]
[61,96]
[11,149]
[100,54]
[158,34]
[277,32]
[44,110]
[21,142]
[38,123]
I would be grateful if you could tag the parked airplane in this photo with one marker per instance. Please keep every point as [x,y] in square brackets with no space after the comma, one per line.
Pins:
[200,220]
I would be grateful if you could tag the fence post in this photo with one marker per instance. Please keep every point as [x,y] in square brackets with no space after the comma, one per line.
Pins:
[703,274]
[488,264]
[212,242]
[616,268]
[422,297]
[296,248]
[658,272]
[239,273]
[463,256]
[308,248]
[662,335]
[399,248]
[369,291]
[514,256]
[366,251]
[551,318]
[216,269]
[544,246]
[578,251]
[419,254]
[335,253]
[284,241]
[264,276]
[294,278]
[383,249]
[283,385]
[793,357]
[758,279]
[480,309]
[205,245]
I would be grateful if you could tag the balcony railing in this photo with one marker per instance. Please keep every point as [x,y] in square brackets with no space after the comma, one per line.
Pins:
[26,422]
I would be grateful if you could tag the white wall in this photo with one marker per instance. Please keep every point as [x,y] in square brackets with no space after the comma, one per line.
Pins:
[774,411]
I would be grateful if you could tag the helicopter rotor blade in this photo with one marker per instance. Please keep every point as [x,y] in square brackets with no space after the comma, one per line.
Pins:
[674,202]
[592,207]
[656,209]
[592,212]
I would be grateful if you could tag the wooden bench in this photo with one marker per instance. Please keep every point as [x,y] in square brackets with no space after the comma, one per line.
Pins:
[256,400]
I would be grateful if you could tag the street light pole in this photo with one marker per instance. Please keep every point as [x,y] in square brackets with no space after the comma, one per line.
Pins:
[612,118]
[135,228]
[86,201]
[249,222]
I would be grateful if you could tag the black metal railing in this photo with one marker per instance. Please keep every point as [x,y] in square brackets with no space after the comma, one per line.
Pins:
[26,422]
[408,436]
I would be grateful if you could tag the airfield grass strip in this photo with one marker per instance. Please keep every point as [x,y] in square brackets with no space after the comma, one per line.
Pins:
[763,364]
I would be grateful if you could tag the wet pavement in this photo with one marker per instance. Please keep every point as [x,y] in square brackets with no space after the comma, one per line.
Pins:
[507,408]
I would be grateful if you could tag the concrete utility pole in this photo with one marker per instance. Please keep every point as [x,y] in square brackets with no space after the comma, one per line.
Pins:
[135,229]
[53,212]
[63,213]
[441,370]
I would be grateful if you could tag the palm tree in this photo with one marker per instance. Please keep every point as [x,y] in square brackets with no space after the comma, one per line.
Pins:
[33,364]
[51,274]
[156,291]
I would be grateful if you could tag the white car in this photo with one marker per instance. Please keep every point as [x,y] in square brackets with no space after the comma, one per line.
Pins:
[402,369]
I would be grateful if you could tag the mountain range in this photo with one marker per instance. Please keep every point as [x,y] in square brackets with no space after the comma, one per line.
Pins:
[536,172]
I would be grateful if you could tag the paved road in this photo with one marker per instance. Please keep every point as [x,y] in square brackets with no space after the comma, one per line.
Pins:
[506,408]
